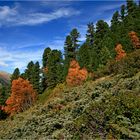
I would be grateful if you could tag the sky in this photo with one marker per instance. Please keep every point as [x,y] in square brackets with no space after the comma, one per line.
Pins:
[28,27]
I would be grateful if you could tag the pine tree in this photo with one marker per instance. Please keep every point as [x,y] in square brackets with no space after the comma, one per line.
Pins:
[54,64]
[94,59]
[29,71]
[105,55]
[32,74]
[115,21]
[3,95]
[130,7]
[68,48]
[102,31]
[23,75]
[84,57]
[74,34]
[123,12]
[15,75]
[45,57]
[68,53]
[3,98]
[90,34]
[36,77]
[133,18]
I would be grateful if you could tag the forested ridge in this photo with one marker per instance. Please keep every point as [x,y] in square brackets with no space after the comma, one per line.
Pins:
[91,89]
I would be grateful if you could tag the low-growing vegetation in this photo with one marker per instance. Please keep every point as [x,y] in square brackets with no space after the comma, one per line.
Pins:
[106,108]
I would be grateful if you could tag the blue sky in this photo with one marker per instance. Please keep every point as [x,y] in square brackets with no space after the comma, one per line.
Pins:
[27,27]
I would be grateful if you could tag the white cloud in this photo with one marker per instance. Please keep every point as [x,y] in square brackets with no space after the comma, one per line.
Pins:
[12,16]
[57,44]
[82,29]
[3,64]
[6,11]
[18,59]
[56,3]
[109,7]
[108,20]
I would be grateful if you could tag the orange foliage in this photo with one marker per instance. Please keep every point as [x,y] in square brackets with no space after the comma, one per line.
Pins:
[76,76]
[22,96]
[120,52]
[45,70]
[135,40]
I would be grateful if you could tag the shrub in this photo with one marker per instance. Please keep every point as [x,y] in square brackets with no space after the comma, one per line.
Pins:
[22,96]
[95,94]
[127,66]
[76,76]
[120,52]
[135,40]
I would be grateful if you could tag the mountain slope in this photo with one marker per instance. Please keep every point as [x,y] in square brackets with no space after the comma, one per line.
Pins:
[106,108]
[4,78]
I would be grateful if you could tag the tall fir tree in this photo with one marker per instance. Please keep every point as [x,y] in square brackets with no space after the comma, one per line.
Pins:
[29,71]
[102,32]
[70,49]
[3,95]
[45,57]
[32,74]
[102,29]
[55,72]
[36,77]
[123,12]
[131,5]
[90,34]
[133,17]
[15,75]
[74,34]
[115,21]
[84,57]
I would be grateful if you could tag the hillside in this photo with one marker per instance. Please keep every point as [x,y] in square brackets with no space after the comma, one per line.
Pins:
[4,78]
[90,89]
[106,108]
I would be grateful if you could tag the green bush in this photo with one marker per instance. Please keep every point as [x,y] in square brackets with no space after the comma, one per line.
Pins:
[128,66]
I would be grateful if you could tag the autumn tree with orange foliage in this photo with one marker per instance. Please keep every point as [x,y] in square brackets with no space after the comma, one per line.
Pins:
[76,76]
[22,96]
[135,40]
[120,52]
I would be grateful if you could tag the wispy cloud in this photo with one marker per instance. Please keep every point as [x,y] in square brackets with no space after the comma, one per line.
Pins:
[11,58]
[56,3]
[56,44]
[82,29]
[108,20]
[3,64]
[12,17]
[109,7]
[20,59]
